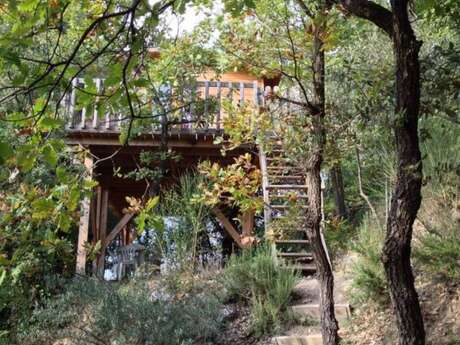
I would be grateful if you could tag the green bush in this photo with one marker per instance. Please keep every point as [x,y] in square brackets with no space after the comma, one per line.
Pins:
[179,227]
[440,254]
[265,283]
[96,312]
[338,235]
[368,274]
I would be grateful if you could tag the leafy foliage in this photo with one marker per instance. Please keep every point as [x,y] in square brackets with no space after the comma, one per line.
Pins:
[91,311]
[236,185]
[440,254]
[41,191]
[255,277]
[176,228]
[368,275]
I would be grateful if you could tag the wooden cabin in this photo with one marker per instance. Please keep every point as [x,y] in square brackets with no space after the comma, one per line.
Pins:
[102,217]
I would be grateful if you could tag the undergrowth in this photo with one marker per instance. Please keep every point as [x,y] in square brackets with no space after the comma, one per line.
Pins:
[266,284]
[95,312]
[368,274]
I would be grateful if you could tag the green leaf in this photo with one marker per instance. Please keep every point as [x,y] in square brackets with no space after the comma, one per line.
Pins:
[42,209]
[62,175]
[5,151]
[152,203]
[74,198]
[89,184]
[64,222]
[140,222]
[26,157]
[50,155]
[114,75]
[28,5]
[49,123]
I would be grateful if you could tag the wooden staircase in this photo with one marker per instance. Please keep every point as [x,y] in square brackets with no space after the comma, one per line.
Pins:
[284,192]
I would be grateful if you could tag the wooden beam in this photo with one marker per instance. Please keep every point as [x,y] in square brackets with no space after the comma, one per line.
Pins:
[84,224]
[116,230]
[228,226]
[104,244]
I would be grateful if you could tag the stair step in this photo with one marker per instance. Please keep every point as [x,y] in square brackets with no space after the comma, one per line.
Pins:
[287,207]
[286,186]
[283,167]
[278,159]
[288,196]
[295,255]
[315,339]
[292,242]
[310,268]
[283,216]
[342,311]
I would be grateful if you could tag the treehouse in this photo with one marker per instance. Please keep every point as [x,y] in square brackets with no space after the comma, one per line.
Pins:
[184,122]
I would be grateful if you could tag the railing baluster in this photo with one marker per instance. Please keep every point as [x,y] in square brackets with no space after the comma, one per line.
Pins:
[107,119]
[81,83]
[255,93]
[241,93]
[219,104]
[230,91]
[72,103]
[98,82]
[83,118]
[193,108]
[120,119]
[206,97]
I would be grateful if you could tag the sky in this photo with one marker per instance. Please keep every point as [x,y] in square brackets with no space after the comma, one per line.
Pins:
[191,18]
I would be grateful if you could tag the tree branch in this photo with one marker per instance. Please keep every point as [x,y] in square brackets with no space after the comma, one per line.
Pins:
[371,11]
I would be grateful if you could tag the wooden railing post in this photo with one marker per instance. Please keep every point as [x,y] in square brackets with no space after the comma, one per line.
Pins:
[71,109]
[83,229]
[98,83]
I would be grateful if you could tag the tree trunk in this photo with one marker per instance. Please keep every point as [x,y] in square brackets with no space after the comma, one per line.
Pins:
[407,194]
[329,325]
[339,193]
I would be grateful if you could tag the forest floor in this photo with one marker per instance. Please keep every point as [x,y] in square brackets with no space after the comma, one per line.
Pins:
[373,324]
[370,324]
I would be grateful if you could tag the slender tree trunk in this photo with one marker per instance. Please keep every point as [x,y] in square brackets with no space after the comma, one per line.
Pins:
[329,325]
[407,194]
[406,197]
[339,192]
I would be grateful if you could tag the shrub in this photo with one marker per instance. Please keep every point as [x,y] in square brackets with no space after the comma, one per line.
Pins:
[96,312]
[338,235]
[437,246]
[440,254]
[179,230]
[266,284]
[368,274]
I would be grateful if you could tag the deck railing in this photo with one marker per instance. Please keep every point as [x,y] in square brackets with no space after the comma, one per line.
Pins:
[198,108]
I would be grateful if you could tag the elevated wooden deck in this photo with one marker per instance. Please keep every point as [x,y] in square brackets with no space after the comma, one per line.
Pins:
[196,115]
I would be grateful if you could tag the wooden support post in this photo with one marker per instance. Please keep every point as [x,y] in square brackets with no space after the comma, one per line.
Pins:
[104,209]
[84,224]
[96,230]
[247,222]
